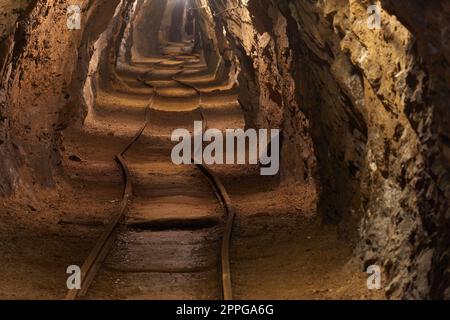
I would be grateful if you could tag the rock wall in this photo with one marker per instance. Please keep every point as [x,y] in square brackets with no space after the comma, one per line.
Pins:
[40,89]
[375,104]
[145,31]
[257,37]
[32,81]
[363,111]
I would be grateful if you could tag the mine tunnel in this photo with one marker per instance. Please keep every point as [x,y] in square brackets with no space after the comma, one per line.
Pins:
[240,149]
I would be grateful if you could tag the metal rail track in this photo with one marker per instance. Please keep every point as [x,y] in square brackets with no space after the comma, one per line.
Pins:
[225,200]
[104,244]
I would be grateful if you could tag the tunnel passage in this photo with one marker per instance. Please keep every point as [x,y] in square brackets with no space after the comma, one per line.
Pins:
[362,112]
[178,24]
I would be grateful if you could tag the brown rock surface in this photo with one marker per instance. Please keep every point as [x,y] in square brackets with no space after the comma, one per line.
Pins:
[364,115]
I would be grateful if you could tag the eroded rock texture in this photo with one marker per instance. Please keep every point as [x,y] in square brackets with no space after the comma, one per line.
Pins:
[43,65]
[363,112]
[375,104]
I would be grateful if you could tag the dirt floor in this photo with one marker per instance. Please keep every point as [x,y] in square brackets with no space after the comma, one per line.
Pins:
[282,251]
[279,251]
[168,244]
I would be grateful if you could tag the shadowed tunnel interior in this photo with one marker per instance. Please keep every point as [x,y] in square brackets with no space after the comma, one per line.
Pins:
[92,92]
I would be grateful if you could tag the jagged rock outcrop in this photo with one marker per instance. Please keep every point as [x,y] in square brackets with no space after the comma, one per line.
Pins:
[44,65]
[375,103]
[364,112]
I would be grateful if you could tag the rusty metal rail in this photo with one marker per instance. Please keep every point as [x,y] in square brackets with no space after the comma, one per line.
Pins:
[225,200]
[103,245]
